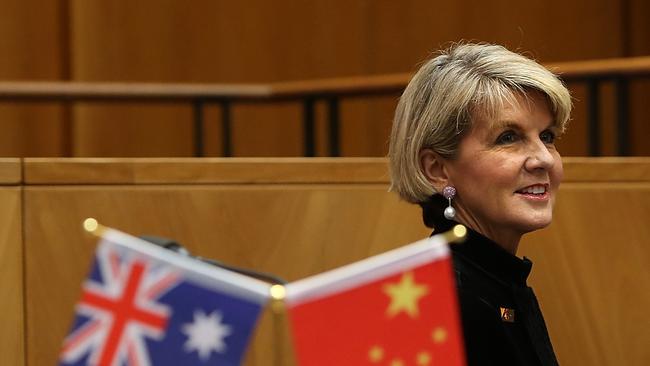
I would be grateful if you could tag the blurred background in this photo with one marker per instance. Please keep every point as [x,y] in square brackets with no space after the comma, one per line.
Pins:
[260,42]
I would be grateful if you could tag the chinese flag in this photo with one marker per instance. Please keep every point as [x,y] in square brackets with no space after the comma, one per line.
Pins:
[395,309]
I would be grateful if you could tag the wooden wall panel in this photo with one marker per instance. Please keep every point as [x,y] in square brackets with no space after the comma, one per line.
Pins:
[12,333]
[591,266]
[638,43]
[259,41]
[208,42]
[639,112]
[32,48]
[265,130]
[590,270]
[123,130]
[405,32]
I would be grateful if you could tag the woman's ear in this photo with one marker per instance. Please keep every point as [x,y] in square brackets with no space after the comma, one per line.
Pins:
[433,167]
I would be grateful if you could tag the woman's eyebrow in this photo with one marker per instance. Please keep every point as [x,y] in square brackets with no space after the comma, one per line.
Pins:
[504,125]
[509,124]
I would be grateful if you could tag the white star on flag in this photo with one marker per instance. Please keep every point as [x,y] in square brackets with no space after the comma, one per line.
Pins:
[206,334]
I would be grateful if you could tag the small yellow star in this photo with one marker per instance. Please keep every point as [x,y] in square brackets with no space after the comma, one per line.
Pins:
[375,354]
[423,358]
[439,335]
[404,296]
[396,362]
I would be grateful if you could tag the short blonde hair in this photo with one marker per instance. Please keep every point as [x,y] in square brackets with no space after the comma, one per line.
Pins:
[438,104]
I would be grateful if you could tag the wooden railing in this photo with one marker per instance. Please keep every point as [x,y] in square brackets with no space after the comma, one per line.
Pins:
[330,91]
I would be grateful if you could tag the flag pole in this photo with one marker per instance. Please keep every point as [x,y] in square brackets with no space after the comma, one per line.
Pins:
[277,293]
[278,311]
[93,227]
[457,234]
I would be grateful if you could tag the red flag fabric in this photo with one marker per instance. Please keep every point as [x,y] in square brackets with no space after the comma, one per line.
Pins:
[397,309]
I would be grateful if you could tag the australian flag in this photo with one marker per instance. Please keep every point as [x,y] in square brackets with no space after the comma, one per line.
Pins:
[143,305]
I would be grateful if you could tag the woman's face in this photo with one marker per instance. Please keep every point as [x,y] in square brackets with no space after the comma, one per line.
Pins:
[507,171]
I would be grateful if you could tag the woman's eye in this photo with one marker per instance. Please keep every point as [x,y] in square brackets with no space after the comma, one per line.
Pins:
[548,137]
[507,137]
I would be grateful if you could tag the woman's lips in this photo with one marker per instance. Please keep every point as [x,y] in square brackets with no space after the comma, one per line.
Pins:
[535,197]
[535,192]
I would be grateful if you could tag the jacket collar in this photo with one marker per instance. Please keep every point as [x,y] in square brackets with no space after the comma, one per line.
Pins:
[490,256]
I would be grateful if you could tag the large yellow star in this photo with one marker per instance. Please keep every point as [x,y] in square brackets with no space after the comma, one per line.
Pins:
[404,296]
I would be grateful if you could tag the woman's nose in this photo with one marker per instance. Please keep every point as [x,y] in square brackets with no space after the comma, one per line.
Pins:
[539,157]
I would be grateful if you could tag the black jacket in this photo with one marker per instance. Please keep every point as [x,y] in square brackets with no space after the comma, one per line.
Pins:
[502,321]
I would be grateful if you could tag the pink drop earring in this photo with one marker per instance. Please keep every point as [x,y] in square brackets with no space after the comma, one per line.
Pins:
[449,192]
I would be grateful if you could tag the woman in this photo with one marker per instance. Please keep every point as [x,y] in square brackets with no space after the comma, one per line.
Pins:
[473,142]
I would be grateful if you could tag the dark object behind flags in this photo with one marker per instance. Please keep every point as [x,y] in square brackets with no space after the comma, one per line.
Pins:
[398,308]
[143,305]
